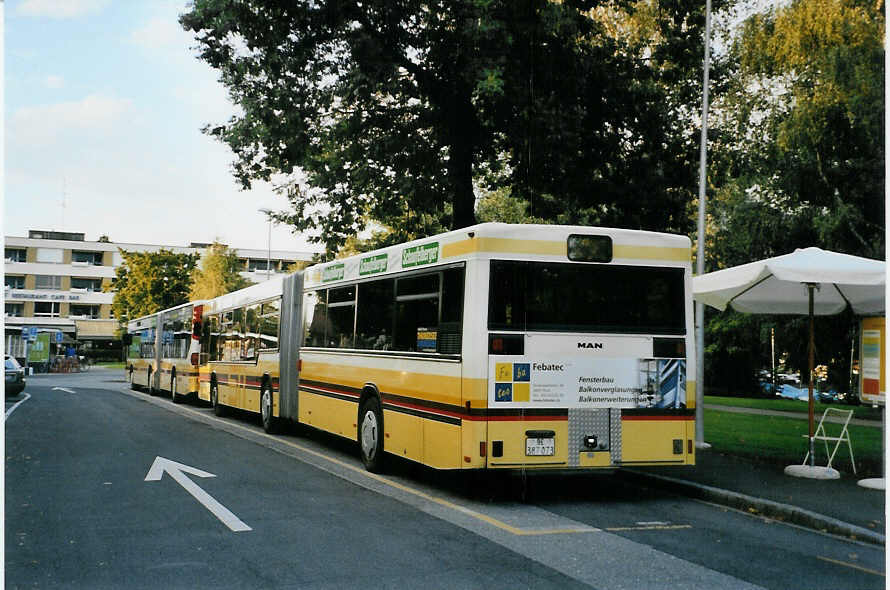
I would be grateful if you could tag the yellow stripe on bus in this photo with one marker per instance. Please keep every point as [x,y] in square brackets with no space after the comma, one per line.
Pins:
[539,247]
[436,388]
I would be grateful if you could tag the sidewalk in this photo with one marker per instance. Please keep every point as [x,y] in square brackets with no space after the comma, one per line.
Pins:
[796,415]
[837,506]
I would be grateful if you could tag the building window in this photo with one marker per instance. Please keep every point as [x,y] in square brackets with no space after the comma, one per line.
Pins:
[14,310]
[54,255]
[47,309]
[14,282]
[48,282]
[15,255]
[84,311]
[94,285]
[92,258]
[255,265]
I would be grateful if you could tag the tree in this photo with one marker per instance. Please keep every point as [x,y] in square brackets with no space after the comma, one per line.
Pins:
[395,113]
[217,273]
[798,160]
[147,282]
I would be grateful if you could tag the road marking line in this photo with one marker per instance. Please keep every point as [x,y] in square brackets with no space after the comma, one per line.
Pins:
[651,527]
[394,484]
[178,472]
[17,404]
[65,389]
[852,565]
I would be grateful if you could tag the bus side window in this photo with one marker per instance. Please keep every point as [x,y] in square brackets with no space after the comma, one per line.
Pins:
[374,315]
[450,333]
[249,335]
[315,306]
[341,317]
[417,313]
[269,325]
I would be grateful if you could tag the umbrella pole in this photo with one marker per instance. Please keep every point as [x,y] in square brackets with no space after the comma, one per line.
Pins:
[810,288]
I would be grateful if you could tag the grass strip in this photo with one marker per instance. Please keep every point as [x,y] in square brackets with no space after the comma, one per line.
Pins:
[789,405]
[780,440]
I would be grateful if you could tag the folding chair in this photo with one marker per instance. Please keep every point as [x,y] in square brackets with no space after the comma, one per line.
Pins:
[844,436]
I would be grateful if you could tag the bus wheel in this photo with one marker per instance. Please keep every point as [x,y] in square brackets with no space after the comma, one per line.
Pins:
[270,422]
[370,435]
[174,397]
[218,408]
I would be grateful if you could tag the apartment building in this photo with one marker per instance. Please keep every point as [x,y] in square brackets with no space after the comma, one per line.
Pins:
[54,282]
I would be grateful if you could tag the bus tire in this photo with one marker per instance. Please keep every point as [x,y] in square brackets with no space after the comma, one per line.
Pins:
[370,434]
[271,424]
[218,408]
[174,397]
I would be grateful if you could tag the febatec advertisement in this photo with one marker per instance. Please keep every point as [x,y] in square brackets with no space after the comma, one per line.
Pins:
[582,382]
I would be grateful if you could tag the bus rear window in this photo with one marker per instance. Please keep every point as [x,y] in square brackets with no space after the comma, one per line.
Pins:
[565,297]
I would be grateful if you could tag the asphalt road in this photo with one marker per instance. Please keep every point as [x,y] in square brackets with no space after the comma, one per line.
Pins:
[298,511]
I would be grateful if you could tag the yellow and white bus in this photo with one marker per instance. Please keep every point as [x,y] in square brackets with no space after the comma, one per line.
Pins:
[140,340]
[163,350]
[179,347]
[493,346]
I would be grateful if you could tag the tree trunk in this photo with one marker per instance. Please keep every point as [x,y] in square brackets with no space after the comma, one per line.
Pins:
[462,144]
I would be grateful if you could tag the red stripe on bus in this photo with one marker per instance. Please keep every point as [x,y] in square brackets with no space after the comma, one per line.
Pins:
[660,418]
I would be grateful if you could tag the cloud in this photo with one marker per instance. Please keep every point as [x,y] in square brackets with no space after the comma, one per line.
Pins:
[60,9]
[54,82]
[41,125]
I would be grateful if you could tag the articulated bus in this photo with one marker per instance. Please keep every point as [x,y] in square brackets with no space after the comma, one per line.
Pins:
[493,346]
[163,350]
[142,349]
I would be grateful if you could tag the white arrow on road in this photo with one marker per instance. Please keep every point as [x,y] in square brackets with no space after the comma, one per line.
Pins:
[65,389]
[177,471]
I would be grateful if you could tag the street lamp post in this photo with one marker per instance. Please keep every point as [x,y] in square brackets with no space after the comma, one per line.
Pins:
[268,213]
[700,256]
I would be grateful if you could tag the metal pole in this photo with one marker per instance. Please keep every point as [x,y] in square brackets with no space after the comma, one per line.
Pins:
[269,252]
[810,288]
[700,256]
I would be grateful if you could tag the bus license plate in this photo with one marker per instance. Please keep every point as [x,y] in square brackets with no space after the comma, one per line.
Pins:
[539,447]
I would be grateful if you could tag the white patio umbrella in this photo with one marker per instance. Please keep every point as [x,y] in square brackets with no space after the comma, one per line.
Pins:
[808,281]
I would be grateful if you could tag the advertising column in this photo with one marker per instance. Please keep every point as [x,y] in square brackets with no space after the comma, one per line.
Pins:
[871,352]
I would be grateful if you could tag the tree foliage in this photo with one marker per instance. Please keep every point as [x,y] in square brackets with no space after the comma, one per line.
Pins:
[217,273]
[147,282]
[396,112]
[798,160]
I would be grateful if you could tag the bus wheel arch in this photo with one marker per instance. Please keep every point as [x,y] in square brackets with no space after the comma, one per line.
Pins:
[370,429]
[271,424]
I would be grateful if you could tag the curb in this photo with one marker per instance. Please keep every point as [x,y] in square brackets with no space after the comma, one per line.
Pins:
[768,508]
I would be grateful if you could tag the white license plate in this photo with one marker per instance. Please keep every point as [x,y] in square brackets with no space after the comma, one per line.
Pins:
[539,447]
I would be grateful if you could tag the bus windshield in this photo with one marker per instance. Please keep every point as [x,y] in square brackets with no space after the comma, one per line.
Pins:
[566,297]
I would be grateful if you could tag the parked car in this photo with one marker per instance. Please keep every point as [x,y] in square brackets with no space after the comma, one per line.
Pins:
[15,377]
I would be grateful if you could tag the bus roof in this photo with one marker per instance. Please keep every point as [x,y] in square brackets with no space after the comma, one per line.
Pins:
[251,294]
[527,241]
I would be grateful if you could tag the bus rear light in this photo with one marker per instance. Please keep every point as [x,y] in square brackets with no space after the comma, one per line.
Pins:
[197,314]
[195,359]
[506,344]
[482,448]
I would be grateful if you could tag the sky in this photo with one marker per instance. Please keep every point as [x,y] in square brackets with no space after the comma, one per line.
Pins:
[104,101]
